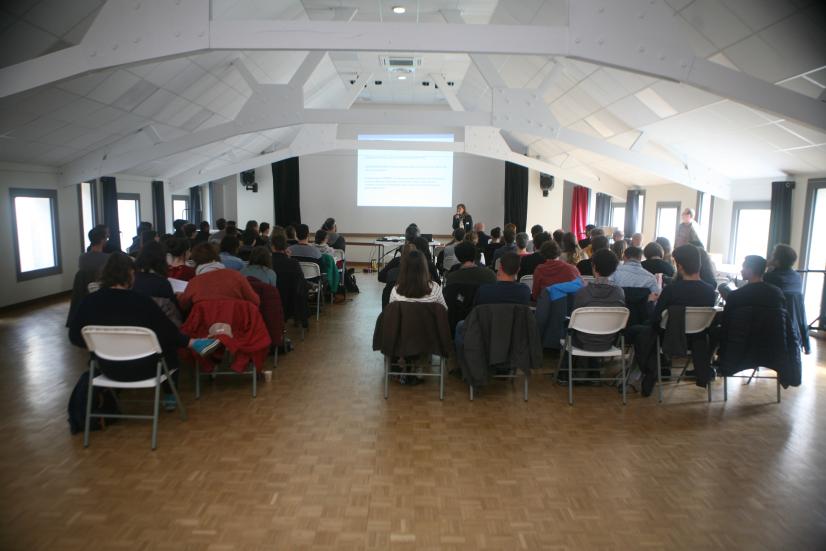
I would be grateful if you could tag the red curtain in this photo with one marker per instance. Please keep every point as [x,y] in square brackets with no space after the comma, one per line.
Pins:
[579,211]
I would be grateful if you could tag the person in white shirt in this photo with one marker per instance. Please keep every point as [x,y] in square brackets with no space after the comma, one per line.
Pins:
[413,283]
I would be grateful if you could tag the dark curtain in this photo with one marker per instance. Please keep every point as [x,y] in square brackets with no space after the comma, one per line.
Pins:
[516,195]
[602,216]
[780,224]
[109,191]
[287,197]
[195,210]
[579,211]
[632,211]
[158,207]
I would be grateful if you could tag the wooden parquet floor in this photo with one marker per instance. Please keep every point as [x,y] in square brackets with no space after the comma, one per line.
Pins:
[321,461]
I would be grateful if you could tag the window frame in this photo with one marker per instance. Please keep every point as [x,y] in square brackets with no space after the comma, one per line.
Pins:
[94,193]
[812,187]
[129,197]
[50,194]
[188,208]
[736,207]
[667,205]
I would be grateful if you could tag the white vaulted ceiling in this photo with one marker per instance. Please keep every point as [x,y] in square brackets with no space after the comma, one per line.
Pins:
[128,111]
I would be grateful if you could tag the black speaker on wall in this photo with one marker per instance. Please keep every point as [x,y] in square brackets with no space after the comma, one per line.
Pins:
[546,183]
[248,181]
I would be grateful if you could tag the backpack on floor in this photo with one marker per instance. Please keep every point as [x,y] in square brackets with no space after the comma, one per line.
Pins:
[350,281]
[102,402]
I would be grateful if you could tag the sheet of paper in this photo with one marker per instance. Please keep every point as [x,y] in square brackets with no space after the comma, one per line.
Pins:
[178,285]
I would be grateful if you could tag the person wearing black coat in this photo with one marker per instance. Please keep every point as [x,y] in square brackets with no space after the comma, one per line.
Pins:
[462,219]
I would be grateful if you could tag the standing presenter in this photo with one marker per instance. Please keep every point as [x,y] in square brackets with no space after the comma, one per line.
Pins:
[462,219]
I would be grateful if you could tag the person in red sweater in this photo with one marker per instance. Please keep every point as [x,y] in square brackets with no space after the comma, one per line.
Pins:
[178,249]
[552,271]
[213,281]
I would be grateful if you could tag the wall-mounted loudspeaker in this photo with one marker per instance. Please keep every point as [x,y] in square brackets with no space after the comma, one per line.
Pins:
[546,183]
[248,181]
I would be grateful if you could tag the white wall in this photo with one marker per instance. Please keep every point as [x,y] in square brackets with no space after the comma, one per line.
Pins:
[667,193]
[545,211]
[328,188]
[257,206]
[225,200]
[14,175]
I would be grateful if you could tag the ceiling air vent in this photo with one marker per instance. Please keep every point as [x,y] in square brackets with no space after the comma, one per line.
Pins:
[400,64]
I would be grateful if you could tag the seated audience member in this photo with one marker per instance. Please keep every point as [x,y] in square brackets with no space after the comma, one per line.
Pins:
[494,243]
[334,239]
[214,281]
[598,243]
[94,259]
[449,259]
[151,280]
[708,271]
[471,238]
[584,243]
[178,250]
[529,263]
[756,292]
[229,252]
[178,227]
[618,248]
[135,247]
[289,277]
[783,276]
[203,233]
[221,225]
[536,229]
[589,250]
[551,271]
[666,245]
[632,274]
[521,244]
[654,262]
[468,272]
[321,243]
[414,283]
[482,237]
[557,236]
[570,251]
[263,234]
[290,233]
[250,232]
[509,236]
[636,240]
[116,304]
[260,266]
[618,236]
[390,272]
[505,289]
[687,290]
[302,248]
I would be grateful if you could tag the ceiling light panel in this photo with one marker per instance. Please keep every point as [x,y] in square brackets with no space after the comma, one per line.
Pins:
[656,103]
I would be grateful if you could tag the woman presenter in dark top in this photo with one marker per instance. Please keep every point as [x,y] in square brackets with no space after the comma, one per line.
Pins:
[462,219]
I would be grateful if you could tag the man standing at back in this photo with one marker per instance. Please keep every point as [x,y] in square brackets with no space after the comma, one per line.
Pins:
[93,260]
[687,230]
[552,271]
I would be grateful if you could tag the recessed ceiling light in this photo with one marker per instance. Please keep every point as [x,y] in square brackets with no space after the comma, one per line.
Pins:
[402,77]
[399,9]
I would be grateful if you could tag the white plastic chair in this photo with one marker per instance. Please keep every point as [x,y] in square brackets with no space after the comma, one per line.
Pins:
[587,279]
[697,320]
[120,344]
[527,280]
[312,271]
[596,320]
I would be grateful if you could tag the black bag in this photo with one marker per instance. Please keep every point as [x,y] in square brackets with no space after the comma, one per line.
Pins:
[102,402]
[350,281]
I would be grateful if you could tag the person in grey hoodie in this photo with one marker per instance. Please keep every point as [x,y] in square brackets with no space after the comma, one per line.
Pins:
[600,292]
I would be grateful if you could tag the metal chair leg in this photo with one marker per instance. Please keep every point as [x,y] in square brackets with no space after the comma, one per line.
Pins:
[254,380]
[156,408]
[622,363]
[442,366]
[725,389]
[659,372]
[174,387]
[90,393]
[526,387]
[778,389]
[470,390]
[570,371]
[386,376]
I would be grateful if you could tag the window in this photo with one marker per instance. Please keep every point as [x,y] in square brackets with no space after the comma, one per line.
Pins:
[129,216]
[180,207]
[750,230]
[618,215]
[668,216]
[34,229]
[815,254]
[88,211]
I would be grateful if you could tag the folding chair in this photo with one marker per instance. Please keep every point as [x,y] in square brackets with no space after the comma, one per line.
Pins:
[312,273]
[697,320]
[252,371]
[596,320]
[388,371]
[120,344]
[527,280]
